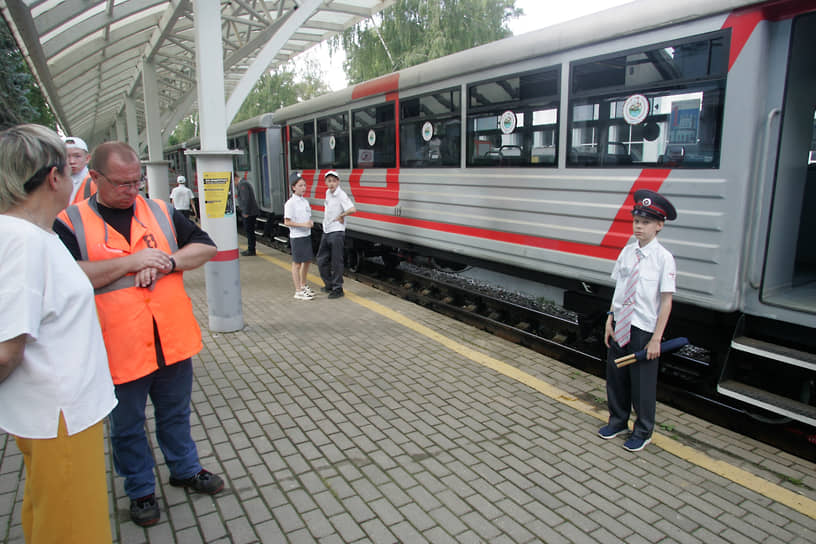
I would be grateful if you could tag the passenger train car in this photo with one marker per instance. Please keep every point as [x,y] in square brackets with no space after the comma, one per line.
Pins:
[524,154]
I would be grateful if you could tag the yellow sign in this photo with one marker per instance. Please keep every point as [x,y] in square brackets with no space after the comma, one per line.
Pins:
[218,194]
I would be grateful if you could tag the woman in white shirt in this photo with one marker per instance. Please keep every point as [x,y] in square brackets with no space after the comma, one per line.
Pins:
[55,386]
[297,215]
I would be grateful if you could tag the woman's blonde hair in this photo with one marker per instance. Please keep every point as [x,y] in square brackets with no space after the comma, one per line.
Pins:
[27,152]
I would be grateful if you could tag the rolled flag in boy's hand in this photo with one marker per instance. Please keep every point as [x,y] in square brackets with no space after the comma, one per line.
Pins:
[666,347]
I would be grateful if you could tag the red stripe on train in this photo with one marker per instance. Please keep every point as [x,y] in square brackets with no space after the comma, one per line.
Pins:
[621,229]
[619,232]
[742,24]
[380,85]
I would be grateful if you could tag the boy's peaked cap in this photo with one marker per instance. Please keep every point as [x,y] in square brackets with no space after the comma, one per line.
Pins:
[651,204]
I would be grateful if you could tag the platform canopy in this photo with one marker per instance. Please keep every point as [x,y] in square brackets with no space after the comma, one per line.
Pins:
[88,55]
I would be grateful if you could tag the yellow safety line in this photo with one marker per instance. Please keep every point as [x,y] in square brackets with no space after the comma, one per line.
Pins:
[742,477]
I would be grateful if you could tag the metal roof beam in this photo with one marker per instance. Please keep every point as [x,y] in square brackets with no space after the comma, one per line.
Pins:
[76,33]
[290,25]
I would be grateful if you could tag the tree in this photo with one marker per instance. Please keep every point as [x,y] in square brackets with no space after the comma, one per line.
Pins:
[283,86]
[411,32]
[20,98]
[185,130]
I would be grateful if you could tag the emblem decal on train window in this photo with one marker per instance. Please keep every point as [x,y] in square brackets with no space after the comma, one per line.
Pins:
[635,109]
[372,137]
[332,142]
[507,122]
[301,146]
[427,131]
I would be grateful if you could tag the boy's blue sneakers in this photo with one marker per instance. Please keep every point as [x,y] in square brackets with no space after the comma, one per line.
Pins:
[636,444]
[607,432]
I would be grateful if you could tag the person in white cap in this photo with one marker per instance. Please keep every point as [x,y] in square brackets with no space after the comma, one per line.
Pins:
[181,197]
[78,158]
[330,253]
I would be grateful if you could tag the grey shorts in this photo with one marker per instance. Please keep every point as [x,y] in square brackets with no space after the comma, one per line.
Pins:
[301,249]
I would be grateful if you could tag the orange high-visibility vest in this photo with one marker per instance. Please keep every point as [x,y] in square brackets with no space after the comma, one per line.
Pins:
[86,189]
[127,312]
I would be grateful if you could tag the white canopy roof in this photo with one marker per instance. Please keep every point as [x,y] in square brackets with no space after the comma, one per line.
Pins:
[88,55]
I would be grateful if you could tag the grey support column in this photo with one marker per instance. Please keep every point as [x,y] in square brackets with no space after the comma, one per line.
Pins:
[214,174]
[158,185]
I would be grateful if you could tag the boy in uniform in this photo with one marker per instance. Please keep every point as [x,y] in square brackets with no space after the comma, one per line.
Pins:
[330,253]
[644,277]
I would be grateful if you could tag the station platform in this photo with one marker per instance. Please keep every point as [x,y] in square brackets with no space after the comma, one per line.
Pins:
[370,419]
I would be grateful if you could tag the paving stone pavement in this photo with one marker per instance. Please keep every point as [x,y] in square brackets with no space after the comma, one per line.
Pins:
[331,422]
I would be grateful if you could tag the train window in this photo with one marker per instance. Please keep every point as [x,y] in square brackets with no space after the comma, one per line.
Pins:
[332,141]
[430,126]
[240,162]
[373,137]
[513,121]
[301,146]
[661,106]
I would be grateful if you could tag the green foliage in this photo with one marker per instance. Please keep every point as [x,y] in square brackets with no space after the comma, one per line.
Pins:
[411,32]
[20,98]
[187,129]
[281,87]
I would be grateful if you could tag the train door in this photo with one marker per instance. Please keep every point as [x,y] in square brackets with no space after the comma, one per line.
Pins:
[275,167]
[263,170]
[789,277]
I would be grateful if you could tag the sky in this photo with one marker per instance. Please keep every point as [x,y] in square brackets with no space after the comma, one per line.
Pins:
[537,14]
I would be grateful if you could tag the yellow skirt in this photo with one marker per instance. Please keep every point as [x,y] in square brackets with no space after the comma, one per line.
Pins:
[66,490]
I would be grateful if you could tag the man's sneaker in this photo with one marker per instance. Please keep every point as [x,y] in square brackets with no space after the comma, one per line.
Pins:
[145,511]
[308,290]
[203,482]
[607,432]
[636,444]
[303,295]
[248,253]
[336,293]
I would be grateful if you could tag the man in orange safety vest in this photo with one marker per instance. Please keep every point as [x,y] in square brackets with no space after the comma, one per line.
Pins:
[134,251]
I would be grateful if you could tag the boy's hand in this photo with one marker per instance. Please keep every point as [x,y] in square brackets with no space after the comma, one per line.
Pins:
[653,348]
[609,332]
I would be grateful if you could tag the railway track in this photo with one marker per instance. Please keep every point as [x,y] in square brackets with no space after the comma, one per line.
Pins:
[556,336]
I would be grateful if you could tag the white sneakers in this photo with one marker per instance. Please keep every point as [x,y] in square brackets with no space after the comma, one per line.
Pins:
[304,294]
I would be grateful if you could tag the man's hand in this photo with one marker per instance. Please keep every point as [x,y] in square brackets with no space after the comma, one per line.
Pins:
[150,258]
[609,332]
[146,277]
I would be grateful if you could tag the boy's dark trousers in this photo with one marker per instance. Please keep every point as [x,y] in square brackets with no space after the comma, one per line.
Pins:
[634,385]
[249,228]
[330,259]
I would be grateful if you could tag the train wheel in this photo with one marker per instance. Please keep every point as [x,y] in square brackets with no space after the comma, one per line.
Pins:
[391,261]
[448,266]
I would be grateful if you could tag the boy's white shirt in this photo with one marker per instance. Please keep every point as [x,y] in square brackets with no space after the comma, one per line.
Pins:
[657,274]
[336,203]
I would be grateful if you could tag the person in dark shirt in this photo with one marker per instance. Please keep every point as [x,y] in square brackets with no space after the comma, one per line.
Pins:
[249,212]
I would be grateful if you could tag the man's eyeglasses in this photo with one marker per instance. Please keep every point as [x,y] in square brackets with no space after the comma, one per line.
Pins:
[125,185]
